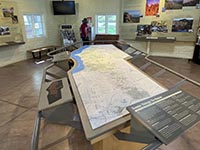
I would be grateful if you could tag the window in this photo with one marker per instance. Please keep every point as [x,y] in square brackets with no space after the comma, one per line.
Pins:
[106,24]
[34,26]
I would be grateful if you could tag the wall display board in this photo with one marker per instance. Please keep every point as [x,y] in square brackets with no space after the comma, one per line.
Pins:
[10,30]
[163,19]
[168,115]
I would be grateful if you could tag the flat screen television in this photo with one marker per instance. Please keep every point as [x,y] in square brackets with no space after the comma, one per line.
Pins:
[64,7]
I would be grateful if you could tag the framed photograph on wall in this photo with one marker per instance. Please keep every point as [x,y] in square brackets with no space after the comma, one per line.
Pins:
[182,25]
[131,16]
[4,30]
[159,26]
[144,30]
[173,4]
[190,2]
[152,7]
[198,40]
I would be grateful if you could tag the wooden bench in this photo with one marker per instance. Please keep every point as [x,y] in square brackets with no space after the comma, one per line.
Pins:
[106,38]
[42,49]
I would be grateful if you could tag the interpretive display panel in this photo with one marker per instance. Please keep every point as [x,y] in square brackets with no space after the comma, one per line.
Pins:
[108,83]
[169,18]
[10,29]
[167,115]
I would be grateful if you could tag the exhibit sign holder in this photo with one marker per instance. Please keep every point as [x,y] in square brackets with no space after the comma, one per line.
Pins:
[161,119]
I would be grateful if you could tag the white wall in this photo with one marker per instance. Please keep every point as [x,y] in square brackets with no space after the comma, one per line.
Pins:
[11,54]
[90,8]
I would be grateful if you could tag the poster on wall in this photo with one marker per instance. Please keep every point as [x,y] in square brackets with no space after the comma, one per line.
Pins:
[144,30]
[182,25]
[4,30]
[9,13]
[131,16]
[152,7]
[159,26]
[173,4]
[190,2]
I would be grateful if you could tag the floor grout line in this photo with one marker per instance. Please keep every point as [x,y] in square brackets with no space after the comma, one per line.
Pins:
[15,104]
[58,140]
[13,118]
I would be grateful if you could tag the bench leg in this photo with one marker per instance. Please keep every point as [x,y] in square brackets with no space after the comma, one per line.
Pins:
[40,56]
[33,55]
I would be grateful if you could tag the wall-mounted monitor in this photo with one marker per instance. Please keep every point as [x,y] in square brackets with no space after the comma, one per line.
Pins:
[64,7]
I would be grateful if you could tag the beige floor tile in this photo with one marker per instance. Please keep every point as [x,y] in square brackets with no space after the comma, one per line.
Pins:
[16,135]
[9,112]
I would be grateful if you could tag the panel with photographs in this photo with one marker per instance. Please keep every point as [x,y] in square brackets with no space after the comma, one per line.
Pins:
[10,29]
[156,18]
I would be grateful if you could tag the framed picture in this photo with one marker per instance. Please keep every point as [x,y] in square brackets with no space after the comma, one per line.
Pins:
[173,4]
[152,7]
[159,26]
[131,16]
[4,30]
[190,2]
[144,30]
[182,25]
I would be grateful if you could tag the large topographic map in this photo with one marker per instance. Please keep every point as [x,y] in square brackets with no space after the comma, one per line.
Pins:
[108,83]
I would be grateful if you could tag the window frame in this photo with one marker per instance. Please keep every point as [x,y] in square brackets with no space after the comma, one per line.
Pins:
[32,15]
[106,23]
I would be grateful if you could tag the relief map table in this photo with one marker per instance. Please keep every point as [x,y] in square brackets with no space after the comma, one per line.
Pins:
[104,84]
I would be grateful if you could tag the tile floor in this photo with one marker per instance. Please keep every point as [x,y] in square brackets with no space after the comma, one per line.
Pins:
[19,93]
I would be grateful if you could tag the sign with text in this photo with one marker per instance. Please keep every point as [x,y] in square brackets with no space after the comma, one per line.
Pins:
[167,115]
